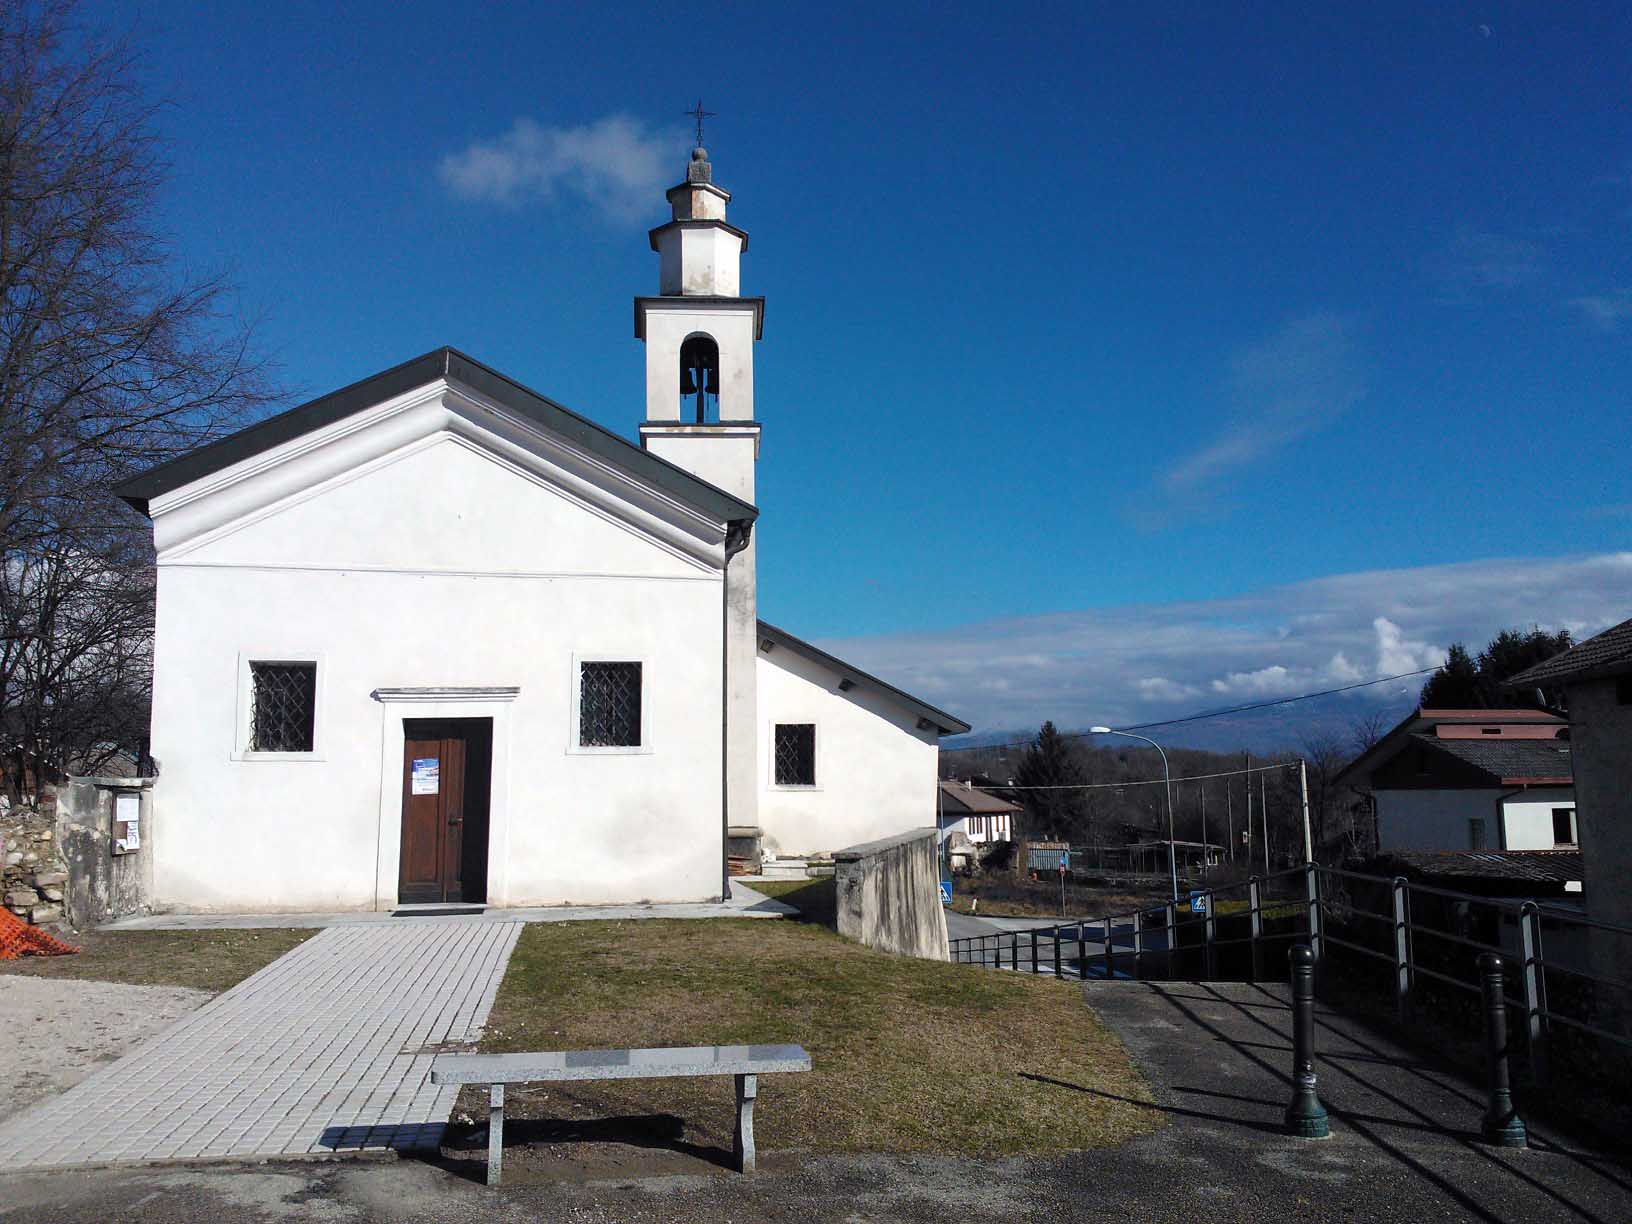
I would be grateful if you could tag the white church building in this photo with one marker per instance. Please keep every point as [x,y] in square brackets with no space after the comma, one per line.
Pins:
[434,638]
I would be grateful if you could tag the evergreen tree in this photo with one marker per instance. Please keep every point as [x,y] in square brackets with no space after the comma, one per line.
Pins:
[1051,762]
[1466,683]
[1455,686]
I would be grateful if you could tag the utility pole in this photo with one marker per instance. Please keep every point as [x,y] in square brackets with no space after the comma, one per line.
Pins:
[1263,813]
[1229,817]
[1308,837]
[1249,809]
[1202,787]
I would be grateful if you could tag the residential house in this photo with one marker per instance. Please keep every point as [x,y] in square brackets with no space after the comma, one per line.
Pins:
[1486,780]
[1596,676]
[970,818]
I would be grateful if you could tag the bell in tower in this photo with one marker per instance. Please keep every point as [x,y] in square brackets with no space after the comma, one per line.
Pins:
[700,378]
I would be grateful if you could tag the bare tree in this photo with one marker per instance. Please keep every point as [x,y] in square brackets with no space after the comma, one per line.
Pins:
[110,361]
[1326,755]
[1365,731]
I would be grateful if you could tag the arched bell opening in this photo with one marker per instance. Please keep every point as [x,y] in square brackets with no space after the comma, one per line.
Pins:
[700,379]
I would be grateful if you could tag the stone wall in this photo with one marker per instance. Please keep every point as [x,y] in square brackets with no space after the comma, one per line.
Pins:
[889,895]
[35,878]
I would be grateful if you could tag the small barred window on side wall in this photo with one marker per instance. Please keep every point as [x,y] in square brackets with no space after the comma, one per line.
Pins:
[795,754]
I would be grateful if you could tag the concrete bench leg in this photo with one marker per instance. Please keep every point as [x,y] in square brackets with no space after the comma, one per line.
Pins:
[743,1143]
[495,1133]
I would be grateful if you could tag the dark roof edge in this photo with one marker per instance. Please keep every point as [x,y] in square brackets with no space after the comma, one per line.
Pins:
[445,362]
[697,223]
[947,723]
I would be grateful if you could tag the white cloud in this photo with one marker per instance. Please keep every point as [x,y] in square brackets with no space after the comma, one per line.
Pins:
[1272,681]
[1606,311]
[616,164]
[1141,662]
[1396,655]
[1296,382]
[1160,688]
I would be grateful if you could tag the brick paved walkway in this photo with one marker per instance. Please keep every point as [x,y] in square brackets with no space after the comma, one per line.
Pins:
[328,1048]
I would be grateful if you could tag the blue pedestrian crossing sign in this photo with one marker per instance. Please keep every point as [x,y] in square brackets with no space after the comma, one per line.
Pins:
[1198,903]
[946,892]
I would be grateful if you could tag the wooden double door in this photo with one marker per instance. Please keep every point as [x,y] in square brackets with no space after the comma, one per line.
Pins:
[447,769]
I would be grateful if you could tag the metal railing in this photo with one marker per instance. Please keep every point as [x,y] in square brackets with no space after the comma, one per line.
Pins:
[1417,945]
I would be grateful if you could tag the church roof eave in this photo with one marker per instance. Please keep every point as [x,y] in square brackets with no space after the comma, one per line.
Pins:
[945,724]
[445,363]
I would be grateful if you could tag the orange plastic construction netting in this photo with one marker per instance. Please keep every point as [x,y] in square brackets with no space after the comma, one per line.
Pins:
[18,939]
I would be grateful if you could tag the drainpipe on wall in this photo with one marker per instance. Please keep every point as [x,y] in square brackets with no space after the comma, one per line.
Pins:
[737,535]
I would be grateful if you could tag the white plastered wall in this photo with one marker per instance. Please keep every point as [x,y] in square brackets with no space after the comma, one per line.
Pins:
[438,556]
[1527,818]
[876,772]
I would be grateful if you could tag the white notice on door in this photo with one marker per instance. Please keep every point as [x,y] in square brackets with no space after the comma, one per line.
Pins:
[424,780]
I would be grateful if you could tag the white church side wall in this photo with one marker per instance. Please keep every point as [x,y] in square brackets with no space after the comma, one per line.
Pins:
[876,773]
[436,568]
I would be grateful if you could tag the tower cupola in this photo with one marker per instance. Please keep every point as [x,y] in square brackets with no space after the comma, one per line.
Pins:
[700,254]
[699,330]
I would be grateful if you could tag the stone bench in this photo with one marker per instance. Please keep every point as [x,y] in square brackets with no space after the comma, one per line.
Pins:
[745,1062]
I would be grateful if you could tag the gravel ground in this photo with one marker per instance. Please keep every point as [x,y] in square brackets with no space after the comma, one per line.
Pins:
[56,1032]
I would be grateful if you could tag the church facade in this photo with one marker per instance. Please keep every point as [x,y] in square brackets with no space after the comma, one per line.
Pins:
[434,638]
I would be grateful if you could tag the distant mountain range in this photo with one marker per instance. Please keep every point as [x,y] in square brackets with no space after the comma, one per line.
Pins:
[1261,732]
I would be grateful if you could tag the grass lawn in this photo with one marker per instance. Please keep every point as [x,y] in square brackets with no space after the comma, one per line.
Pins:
[909,1055]
[1007,896]
[203,960]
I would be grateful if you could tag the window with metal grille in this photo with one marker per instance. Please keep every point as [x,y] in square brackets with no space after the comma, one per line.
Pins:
[609,705]
[796,754]
[1476,833]
[284,713]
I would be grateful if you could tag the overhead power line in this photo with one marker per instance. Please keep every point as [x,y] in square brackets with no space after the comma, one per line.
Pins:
[1228,773]
[1190,718]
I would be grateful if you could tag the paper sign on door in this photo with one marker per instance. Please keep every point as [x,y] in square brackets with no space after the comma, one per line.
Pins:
[424,779]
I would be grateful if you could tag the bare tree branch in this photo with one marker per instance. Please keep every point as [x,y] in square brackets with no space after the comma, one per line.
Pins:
[110,362]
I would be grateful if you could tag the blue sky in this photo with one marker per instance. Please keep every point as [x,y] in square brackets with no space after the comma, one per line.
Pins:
[1108,313]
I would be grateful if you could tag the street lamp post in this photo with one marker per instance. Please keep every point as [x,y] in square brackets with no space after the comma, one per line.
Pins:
[1167,782]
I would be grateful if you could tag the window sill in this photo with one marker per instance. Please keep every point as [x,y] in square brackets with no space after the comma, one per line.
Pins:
[633,750]
[248,757]
[785,786]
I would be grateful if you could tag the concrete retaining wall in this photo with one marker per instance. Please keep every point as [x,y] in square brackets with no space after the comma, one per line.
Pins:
[889,895]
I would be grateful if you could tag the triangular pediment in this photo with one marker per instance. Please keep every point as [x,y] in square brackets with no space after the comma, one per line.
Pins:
[445,477]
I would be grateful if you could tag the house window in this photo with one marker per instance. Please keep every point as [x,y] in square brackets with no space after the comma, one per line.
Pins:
[609,705]
[1623,690]
[283,713]
[796,754]
[1563,826]
[1476,833]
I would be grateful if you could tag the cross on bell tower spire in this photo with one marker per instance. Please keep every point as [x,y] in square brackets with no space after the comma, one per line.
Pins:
[699,114]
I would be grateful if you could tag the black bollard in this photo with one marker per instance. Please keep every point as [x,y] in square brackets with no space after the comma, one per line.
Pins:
[1501,1124]
[1305,1116]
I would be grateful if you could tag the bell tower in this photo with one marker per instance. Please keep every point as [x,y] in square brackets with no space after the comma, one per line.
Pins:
[700,334]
